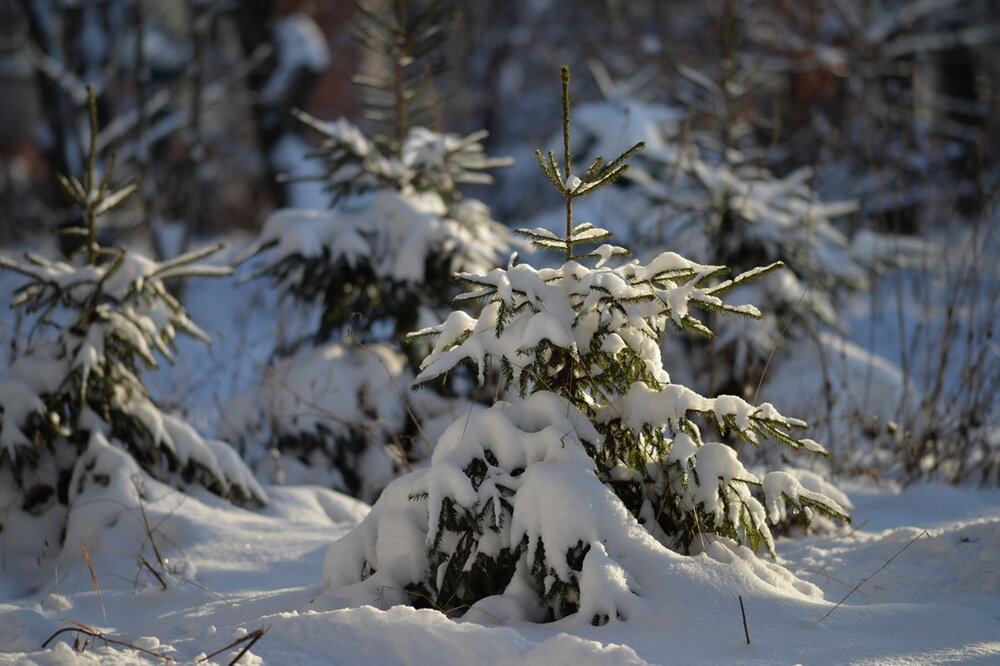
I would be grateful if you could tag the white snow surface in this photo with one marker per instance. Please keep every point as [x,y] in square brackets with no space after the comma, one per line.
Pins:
[230,571]
[936,602]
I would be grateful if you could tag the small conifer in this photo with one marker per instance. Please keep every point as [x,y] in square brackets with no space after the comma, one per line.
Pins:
[594,427]
[77,393]
[377,263]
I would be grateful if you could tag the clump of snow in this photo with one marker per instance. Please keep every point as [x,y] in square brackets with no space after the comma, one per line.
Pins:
[392,232]
[514,463]
[568,308]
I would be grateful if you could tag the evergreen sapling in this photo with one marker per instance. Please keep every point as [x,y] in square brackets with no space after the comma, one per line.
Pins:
[707,195]
[75,411]
[535,500]
[377,264]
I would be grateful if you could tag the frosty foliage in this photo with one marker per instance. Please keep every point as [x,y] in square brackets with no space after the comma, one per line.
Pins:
[78,386]
[98,326]
[592,334]
[377,264]
[378,258]
[398,224]
[723,206]
[537,499]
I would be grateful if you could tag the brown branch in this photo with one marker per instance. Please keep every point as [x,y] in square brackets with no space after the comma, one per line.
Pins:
[96,634]
[252,637]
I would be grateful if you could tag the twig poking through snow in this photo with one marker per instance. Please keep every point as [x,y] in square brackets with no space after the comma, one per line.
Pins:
[93,633]
[252,637]
[743,612]
[865,580]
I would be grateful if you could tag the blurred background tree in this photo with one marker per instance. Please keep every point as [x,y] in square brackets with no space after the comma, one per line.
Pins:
[891,103]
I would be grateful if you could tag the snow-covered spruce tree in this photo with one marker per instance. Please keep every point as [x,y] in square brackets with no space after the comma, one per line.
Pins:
[377,264]
[526,499]
[721,205]
[76,396]
[686,192]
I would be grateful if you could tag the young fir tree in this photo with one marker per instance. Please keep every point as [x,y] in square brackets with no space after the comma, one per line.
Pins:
[716,204]
[527,499]
[75,396]
[377,263]
[707,194]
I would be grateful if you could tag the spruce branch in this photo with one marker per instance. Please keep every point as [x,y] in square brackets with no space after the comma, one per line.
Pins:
[597,176]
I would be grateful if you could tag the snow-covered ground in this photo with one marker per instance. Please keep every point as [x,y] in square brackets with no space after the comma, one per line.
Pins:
[230,572]
[187,575]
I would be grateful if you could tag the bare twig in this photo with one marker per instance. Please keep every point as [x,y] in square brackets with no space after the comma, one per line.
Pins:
[743,612]
[250,639]
[93,633]
[777,343]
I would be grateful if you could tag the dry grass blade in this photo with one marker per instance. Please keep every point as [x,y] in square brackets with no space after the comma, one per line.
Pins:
[872,575]
[93,633]
[93,579]
[250,639]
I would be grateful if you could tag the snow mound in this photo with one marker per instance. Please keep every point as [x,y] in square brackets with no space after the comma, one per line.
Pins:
[513,493]
[257,570]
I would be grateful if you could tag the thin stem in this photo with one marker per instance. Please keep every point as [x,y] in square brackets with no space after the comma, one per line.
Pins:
[88,206]
[728,66]
[92,150]
[872,575]
[250,639]
[568,163]
[201,18]
[570,369]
